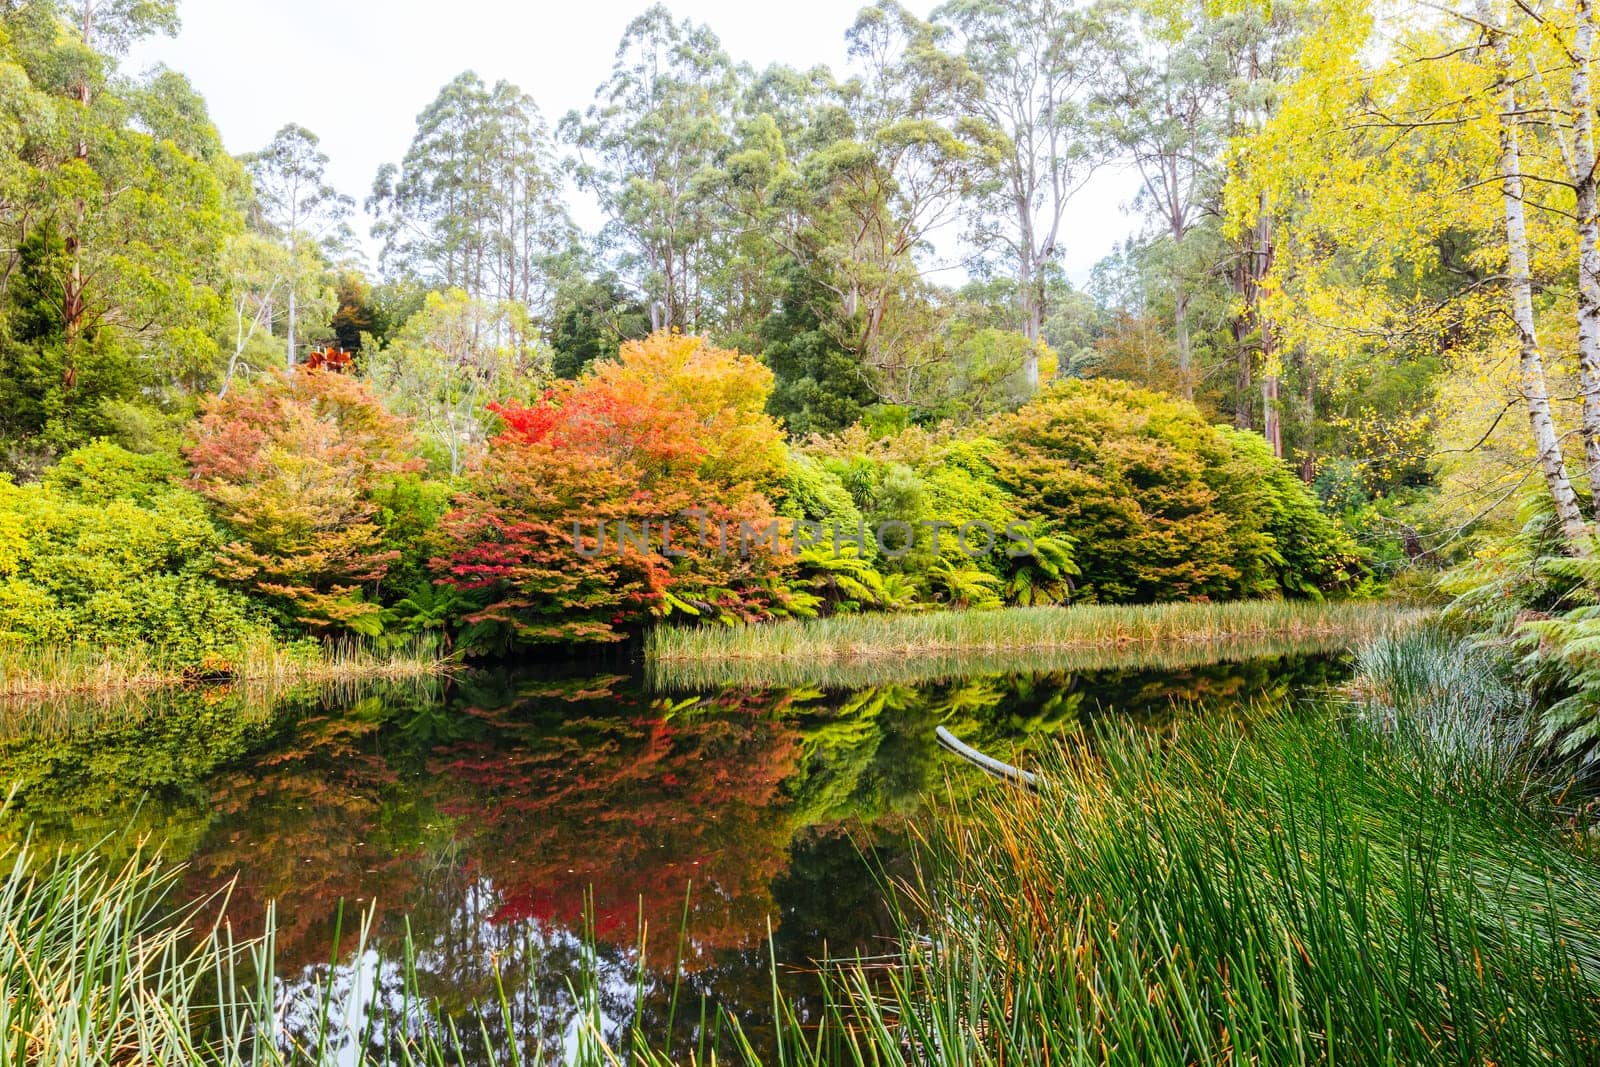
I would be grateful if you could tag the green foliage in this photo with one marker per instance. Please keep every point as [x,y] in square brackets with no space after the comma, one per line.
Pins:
[409,506]
[1161,505]
[1527,596]
[591,320]
[118,201]
[812,491]
[1310,554]
[101,472]
[110,553]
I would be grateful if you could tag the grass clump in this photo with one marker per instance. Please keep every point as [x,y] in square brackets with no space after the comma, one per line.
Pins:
[63,670]
[1090,626]
[1299,888]
[699,675]
[1451,702]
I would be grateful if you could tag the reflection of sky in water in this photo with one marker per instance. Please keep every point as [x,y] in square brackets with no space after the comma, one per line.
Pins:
[367,992]
[500,820]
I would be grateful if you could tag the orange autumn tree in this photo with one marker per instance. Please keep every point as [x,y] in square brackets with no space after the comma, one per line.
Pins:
[291,464]
[672,431]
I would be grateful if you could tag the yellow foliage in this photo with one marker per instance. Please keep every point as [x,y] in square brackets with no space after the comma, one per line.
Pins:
[725,388]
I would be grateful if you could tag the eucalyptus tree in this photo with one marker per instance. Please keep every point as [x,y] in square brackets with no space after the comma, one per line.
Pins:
[1261,48]
[1166,110]
[861,213]
[476,202]
[646,147]
[295,203]
[1038,64]
[115,201]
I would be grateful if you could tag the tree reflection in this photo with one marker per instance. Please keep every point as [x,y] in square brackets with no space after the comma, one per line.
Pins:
[542,827]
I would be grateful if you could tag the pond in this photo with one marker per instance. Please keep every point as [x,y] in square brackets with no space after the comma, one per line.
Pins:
[557,823]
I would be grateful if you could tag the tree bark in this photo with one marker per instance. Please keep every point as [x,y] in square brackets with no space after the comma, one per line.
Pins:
[1271,411]
[1535,390]
[1243,357]
[1588,211]
[1031,291]
[1180,317]
[291,325]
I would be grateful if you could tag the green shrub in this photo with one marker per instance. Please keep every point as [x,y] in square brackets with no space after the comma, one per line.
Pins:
[107,551]
[1161,505]
[1307,553]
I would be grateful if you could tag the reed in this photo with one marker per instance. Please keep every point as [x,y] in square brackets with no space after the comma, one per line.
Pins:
[1295,890]
[699,675]
[1047,629]
[50,671]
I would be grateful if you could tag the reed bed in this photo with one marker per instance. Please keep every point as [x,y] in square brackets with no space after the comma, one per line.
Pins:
[47,671]
[700,675]
[1045,629]
[1299,889]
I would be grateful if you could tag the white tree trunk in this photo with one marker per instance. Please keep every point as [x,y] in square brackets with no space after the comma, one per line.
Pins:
[1535,391]
[291,325]
[1588,210]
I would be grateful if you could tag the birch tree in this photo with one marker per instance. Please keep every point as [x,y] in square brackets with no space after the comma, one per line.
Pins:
[1586,195]
[1535,388]
[1413,228]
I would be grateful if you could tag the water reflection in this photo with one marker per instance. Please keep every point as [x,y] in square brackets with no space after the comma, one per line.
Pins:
[510,822]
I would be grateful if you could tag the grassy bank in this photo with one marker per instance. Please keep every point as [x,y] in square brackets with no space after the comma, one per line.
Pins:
[698,674]
[1302,890]
[847,637]
[47,671]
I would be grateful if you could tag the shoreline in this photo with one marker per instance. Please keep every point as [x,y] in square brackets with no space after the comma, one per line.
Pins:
[62,671]
[856,638]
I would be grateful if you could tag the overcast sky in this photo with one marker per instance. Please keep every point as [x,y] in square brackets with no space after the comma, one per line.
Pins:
[357,72]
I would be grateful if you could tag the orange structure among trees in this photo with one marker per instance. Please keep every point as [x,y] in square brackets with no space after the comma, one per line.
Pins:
[334,359]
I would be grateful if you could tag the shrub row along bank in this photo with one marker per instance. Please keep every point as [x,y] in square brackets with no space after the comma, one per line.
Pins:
[301,506]
[1304,887]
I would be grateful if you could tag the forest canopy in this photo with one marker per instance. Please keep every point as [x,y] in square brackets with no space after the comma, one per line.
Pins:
[816,295]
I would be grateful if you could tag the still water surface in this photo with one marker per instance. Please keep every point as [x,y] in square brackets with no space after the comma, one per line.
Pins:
[509,820]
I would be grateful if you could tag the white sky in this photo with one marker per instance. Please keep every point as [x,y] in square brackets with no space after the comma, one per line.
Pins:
[357,72]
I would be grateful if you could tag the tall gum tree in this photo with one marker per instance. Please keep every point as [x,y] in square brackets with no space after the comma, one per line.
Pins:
[645,149]
[1166,111]
[476,203]
[297,205]
[1038,63]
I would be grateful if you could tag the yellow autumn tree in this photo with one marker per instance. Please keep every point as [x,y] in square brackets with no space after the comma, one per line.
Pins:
[1420,174]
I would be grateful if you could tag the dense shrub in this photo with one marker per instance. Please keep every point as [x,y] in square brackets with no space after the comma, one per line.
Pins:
[1161,504]
[672,430]
[108,552]
[937,483]
[1308,554]
[294,465]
